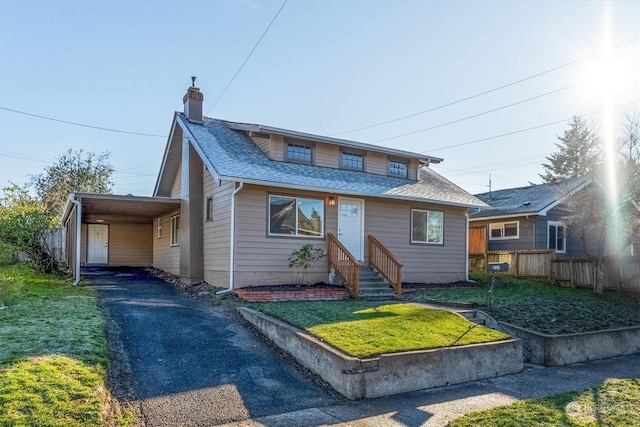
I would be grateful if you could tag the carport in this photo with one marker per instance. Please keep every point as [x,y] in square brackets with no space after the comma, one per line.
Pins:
[111,230]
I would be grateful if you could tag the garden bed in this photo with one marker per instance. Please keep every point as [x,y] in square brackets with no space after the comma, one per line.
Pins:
[273,293]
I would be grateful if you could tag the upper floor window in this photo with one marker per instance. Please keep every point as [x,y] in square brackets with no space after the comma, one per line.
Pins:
[557,237]
[504,230]
[296,216]
[209,214]
[427,226]
[397,168]
[299,153]
[352,161]
[175,230]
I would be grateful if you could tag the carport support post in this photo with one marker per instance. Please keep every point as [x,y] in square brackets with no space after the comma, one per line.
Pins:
[191,205]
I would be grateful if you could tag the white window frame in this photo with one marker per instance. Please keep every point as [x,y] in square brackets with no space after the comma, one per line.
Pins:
[208,206]
[175,230]
[501,226]
[427,242]
[557,224]
[297,235]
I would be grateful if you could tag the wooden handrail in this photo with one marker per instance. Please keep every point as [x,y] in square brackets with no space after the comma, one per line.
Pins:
[386,263]
[345,264]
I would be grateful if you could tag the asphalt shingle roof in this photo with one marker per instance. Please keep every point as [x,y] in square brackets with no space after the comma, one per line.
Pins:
[524,200]
[232,154]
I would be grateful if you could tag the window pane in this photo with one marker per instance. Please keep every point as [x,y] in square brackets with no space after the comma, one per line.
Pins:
[300,153]
[552,237]
[282,215]
[496,232]
[352,161]
[435,225]
[511,229]
[398,168]
[310,217]
[560,243]
[419,231]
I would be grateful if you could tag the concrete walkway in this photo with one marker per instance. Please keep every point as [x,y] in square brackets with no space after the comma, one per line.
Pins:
[436,407]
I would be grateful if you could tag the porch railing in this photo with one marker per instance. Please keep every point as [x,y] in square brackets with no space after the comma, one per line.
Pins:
[386,263]
[345,264]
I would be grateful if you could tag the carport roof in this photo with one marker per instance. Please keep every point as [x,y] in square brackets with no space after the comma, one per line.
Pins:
[112,207]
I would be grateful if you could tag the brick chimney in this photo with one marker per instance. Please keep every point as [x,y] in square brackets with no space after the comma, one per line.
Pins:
[193,102]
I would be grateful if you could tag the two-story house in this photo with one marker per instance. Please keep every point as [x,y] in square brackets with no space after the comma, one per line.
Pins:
[233,200]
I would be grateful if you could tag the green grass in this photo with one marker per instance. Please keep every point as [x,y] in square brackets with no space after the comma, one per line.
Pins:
[543,307]
[614,403]
[53,355]
[364,329]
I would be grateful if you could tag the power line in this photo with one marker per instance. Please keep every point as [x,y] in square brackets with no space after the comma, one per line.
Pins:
[485,92]
[81,124]
[478,114]
[248,56]
[525,130]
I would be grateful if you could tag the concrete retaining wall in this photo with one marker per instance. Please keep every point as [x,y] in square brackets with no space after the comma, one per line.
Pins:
[390,373]
[557,350]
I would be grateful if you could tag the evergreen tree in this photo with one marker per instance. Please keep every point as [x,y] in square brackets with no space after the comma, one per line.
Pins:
[577,153]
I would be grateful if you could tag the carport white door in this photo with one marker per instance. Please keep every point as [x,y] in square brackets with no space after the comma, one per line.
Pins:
[351,225]
[97,244]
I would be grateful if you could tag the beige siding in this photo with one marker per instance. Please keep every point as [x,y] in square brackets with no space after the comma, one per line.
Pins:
[165,256]
[376,163]
[175,188]
[413,169]
[217,232]
[277,147]
[327,155]
[390,222]
[83,243]
[264,260]
[130,244]
[264,144]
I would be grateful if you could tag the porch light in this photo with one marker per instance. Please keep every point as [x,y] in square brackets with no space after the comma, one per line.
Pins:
[332,201]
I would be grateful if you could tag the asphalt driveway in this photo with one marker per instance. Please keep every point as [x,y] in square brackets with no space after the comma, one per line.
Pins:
[188,364]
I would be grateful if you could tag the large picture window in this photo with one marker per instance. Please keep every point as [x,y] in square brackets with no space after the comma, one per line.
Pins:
[175,230]
[557,237]
[504,230]
[296,216]
[427,226]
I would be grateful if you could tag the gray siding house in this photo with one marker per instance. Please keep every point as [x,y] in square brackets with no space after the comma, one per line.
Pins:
[233,200]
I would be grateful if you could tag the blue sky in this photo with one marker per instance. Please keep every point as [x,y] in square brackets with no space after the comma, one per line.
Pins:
[324,67]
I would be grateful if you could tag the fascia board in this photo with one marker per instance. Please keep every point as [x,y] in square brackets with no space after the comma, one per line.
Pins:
[502,217]
[166,153]
[544,211]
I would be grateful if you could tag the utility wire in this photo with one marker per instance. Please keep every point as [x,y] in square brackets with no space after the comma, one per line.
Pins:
[248,56]
[478,114]
[81,124]
[485,92]
[525,130]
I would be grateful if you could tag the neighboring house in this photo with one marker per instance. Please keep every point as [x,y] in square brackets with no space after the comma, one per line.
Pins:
[233,200]
[532,217]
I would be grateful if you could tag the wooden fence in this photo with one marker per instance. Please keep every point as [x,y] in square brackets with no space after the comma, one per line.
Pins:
[619,274]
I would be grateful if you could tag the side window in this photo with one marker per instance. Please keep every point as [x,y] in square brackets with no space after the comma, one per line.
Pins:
[397,168]
[504,230]
[209,214]
[175,230]
[557,237]
[427,226]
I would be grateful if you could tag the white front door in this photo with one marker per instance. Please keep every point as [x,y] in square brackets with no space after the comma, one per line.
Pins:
[97,244]
[351,225]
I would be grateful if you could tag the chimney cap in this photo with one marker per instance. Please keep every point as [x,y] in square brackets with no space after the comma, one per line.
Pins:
[193,81]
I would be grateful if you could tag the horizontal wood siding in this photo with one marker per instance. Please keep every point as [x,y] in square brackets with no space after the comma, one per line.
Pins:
[176,191]
[376,163]
[327,155]
[83,243]
[130,244]
[217,232]
[264,144]
[277,147]
[523,242]
[165,256]
[390,222]
[413,169]
[262,260]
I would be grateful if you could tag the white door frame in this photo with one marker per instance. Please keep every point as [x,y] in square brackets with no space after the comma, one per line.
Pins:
[357,252]
[104,256]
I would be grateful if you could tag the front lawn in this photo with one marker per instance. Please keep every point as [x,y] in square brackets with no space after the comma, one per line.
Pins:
[53,354]
[364,329]
[542,307]
[614,403]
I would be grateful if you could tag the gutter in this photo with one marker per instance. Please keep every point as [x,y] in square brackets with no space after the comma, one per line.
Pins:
[232,242]
[72,199]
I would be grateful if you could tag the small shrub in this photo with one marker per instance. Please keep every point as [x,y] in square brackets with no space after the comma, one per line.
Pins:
[302,260]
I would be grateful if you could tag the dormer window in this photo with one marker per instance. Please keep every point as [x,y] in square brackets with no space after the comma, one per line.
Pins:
[398,168]
[354,161]
[299,153]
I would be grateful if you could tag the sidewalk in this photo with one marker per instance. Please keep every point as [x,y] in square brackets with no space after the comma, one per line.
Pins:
[436,407]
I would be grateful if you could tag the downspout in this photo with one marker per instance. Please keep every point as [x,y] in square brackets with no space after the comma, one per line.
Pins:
[73,200]
[232,242]
[466,269]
